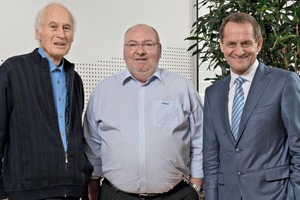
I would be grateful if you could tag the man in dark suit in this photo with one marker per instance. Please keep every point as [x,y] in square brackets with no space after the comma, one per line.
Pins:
[261,160]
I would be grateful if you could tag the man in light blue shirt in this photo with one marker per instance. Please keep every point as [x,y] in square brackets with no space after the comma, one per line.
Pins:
[143,128]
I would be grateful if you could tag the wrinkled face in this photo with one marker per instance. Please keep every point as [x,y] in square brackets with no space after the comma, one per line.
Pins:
[239,46]
[142,51]
[56,33]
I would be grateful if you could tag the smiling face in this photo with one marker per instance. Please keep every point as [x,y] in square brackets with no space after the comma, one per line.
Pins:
[239,46]
[55,32]
[142,60]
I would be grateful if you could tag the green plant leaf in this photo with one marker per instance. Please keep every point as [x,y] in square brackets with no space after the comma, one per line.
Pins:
[279,21]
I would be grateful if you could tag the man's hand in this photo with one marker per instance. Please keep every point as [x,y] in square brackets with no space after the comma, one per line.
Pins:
[197,184]
[197,181]
[94,186]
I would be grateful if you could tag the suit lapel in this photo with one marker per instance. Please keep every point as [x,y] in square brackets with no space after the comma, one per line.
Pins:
[259,83]
[223,105]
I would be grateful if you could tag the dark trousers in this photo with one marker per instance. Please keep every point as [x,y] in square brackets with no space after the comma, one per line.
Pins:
[182,191]
[63,198]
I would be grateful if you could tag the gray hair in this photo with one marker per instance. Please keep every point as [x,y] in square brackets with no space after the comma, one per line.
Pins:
[40,16]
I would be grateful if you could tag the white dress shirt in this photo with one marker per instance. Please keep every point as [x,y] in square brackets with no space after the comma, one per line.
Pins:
[248,76]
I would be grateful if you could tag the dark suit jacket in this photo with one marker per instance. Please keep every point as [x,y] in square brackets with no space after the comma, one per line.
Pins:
[264,162]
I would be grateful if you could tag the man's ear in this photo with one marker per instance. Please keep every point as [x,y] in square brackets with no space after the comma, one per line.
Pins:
[221,46]
[259,44]
[37,34]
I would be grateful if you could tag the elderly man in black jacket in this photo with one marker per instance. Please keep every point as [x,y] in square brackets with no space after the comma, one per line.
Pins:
[41,103]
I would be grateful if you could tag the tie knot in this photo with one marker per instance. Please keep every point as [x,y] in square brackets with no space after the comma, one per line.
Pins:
[240,80]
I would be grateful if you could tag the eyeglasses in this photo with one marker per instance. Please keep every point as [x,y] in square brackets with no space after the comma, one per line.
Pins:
[146,45]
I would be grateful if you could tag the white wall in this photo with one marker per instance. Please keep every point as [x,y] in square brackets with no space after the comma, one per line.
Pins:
[97,47]
[100,24]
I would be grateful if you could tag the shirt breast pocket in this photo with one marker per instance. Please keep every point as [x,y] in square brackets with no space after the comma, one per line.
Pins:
[165,113]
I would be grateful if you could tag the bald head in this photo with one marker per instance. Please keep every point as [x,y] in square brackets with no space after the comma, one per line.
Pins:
[142,51]
[143,26]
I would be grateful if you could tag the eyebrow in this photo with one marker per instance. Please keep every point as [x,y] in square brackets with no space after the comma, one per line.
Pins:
[54,22]
[141,42]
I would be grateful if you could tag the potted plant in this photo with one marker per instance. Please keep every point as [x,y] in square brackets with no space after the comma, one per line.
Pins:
[279,21]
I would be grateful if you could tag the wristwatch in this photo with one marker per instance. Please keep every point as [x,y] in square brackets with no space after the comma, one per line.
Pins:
[198,188]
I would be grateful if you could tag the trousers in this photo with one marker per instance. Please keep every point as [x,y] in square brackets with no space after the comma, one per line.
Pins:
[182,191]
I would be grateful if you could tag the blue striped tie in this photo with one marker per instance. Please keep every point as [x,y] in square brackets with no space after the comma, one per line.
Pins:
[237,106]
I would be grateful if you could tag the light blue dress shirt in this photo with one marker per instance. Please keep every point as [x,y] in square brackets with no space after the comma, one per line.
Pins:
[58,78]
[144,138]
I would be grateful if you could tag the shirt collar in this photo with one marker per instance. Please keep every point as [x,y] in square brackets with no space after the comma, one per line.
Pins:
[156,75]
[52,66]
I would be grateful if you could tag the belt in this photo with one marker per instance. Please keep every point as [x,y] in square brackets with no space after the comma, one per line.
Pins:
[177,187]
